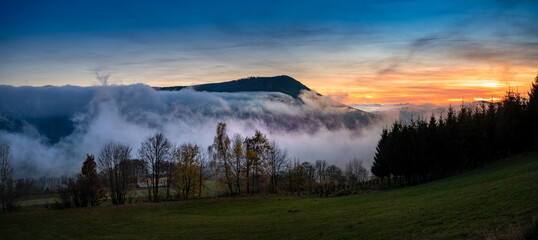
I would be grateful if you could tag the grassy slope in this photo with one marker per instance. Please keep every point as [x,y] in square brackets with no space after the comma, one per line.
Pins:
[493,201]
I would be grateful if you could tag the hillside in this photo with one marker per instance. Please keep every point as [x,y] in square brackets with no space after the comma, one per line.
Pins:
[283,84]
[494,202]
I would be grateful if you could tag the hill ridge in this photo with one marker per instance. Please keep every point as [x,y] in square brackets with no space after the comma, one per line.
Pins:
[282,83]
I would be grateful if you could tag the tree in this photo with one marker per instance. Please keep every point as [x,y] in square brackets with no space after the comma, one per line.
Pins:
[250,156]
[320,166]
[334,175]
[277,162]
[222,156]
[84,190]
[204,171]
[510,125]
[114,163]
[154,151]
[419,151]
[6,181]
[238,155]
[92,191]
[258,151]
[309,173]
[295,176]
[355,172]
[186,169]
[532,109]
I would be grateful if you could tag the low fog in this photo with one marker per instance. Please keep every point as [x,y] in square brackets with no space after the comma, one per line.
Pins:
[312,127]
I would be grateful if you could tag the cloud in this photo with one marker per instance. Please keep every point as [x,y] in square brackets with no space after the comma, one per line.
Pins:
[314,128]
[403,112]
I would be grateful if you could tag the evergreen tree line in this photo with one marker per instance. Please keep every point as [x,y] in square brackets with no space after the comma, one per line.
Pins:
[475,134]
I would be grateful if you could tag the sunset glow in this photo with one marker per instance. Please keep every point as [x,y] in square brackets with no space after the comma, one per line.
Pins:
[443,88]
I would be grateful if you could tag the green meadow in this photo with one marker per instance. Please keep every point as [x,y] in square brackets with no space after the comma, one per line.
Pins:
[495,202]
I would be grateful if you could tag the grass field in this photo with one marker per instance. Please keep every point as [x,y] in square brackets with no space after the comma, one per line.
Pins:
[494,202]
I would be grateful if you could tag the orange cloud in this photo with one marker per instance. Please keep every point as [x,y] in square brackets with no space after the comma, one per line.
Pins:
[428,85]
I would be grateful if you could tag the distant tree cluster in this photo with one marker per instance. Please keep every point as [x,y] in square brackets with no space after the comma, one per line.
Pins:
[321,179]
[422,150]
[250,165]
[86,190]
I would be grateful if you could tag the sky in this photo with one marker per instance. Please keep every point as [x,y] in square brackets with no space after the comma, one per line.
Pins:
[356,52]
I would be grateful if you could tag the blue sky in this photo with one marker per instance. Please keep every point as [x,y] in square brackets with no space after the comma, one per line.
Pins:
[350,50]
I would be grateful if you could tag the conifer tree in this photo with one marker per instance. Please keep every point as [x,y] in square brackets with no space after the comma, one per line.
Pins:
[92,191]
[532,110]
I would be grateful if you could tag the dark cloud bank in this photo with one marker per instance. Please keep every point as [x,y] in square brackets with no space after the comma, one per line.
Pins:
[50,129]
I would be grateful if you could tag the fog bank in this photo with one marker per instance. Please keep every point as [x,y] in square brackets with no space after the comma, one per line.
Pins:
[50,129]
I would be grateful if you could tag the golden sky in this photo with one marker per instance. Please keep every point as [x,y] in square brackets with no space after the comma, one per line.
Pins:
[416,86]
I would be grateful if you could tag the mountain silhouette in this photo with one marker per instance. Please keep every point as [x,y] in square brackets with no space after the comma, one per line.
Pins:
[284,84]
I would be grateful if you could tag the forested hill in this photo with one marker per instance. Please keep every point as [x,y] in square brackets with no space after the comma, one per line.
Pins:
[284,84]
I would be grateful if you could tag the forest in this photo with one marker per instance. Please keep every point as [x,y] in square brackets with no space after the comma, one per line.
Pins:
[466,138]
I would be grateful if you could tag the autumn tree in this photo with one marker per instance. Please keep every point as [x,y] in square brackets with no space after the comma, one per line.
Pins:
[258,152]
[222,153]
[113,162]
[238,157]
[154,151]
[185,172]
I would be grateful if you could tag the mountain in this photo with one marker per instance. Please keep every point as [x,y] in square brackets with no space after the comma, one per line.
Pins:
[284,84]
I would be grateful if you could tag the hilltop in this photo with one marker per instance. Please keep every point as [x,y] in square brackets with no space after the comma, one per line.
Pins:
[284,84]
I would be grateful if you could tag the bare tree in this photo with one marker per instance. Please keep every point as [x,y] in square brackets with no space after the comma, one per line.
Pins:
[334,174]
[295,175]
[168,168]
[138,169]
[277,162]
[204,171]
[320,167]
[113,161]
[355,172]
[154,151]
[309,173]
[5,177]
[250,156]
